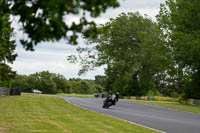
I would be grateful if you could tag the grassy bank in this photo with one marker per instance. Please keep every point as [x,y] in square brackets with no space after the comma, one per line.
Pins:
[34,113]
[171,105]
[77,95]
[153,98]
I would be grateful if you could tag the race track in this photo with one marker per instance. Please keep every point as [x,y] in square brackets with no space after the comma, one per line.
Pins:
[166,120]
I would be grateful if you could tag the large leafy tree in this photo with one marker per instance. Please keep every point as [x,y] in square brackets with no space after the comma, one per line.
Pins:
[47,85]
[60,82]
[20,81]
[101,80]
[179,20]
[133,49]
[47,20]
[7,47]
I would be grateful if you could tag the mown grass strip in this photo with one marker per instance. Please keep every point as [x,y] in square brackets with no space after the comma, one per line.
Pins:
[34,113]
[172,105]
[77,95]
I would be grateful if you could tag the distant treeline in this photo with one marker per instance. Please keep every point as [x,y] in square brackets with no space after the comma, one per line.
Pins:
[50,83]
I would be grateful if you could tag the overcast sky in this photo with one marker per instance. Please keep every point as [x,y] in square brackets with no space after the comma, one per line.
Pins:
[53,56]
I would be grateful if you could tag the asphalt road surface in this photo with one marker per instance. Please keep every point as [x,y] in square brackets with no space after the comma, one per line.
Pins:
[166,120]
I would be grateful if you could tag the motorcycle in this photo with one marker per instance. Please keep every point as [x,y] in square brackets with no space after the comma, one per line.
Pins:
[110,100]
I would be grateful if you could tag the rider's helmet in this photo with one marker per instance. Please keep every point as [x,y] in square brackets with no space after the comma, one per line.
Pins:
[117,93]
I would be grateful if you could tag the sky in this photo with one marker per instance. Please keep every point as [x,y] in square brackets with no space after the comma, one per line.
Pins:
[52,56]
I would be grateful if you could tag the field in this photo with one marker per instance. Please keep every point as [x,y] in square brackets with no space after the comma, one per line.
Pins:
[50,114]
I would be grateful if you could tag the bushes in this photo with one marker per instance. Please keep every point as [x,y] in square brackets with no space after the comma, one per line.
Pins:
[50,83]
[153,93]
[167,99]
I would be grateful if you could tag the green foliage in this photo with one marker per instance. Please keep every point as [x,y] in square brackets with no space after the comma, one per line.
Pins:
[45,21]
[50,83]
[179,20]
[101,80]
[20,81]
[181,99]
[60,82]
[142,57]
[83,86]
[7,47]
[48,20]
[133,49]
[153,93]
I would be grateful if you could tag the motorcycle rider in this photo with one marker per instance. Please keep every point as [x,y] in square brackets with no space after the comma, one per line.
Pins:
[115,98]
[111,100]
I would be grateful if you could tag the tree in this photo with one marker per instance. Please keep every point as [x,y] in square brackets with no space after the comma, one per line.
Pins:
[83,86]
[7,47]
[47,20]
[20,81]
[179,20]
[133,49]
[60,82]
[42,81]
[47,84]
[101,80]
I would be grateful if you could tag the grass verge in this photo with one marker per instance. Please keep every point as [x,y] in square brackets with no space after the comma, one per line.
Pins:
[77,95]
[172,105]
[41,114]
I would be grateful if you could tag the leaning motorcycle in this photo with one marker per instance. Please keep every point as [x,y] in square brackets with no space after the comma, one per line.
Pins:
[107,102]
[110,100]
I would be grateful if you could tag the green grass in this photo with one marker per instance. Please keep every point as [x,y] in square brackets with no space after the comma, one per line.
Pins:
[41,114]
[172,105]
[166,99]
[77,95]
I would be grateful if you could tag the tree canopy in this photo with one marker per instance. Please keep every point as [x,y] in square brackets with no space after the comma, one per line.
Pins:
[7,47]
[179,20]
[132,48]
[47,20]
[51,83]
[143,56]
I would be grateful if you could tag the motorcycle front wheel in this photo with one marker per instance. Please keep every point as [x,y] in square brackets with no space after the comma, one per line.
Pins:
[108,104]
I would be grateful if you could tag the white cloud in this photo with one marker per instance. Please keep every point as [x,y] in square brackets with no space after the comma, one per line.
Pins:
[54,61]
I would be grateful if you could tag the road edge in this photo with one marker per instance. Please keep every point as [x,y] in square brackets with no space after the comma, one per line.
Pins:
[113,116]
